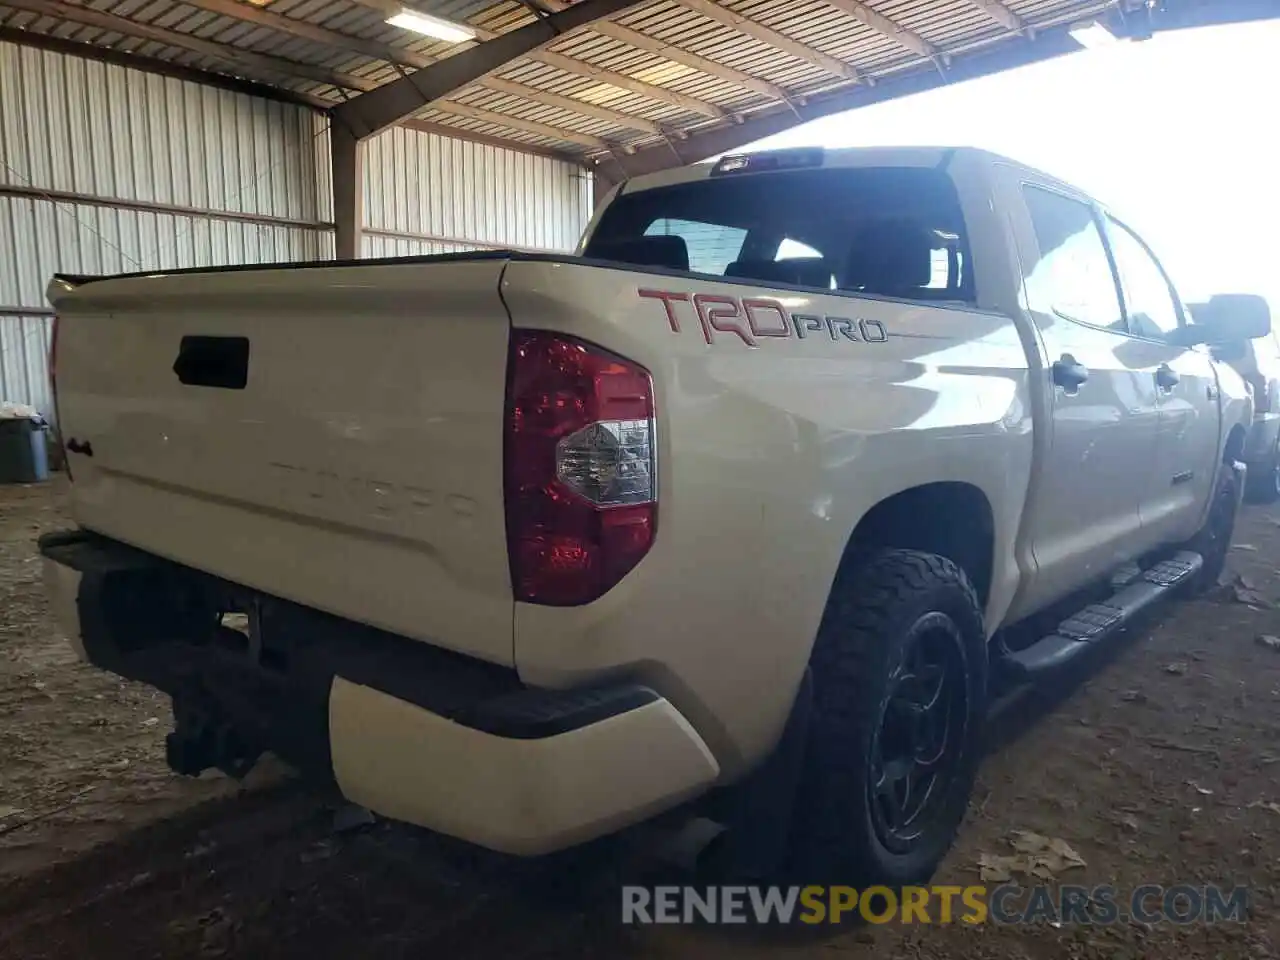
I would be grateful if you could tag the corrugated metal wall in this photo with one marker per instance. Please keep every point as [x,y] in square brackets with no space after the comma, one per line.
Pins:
[93,128]
[430,194]
[107,170]
[24,371]
[104,169]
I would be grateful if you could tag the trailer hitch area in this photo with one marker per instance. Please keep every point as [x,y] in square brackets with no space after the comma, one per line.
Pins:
[202,739]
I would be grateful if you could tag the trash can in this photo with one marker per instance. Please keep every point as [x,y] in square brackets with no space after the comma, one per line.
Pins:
[24,456]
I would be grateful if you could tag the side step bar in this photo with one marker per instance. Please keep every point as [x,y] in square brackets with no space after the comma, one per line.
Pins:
[1136,591]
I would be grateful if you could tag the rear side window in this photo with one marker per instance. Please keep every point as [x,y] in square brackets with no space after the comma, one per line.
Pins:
[1073,275]
[895,232]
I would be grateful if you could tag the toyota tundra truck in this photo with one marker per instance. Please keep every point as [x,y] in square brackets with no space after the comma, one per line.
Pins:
[745,507]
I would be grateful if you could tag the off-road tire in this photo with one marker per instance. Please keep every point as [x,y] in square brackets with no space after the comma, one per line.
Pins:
[874,607]
[1263,483]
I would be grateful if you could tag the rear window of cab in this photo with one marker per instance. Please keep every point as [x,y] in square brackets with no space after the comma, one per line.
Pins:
[891,231]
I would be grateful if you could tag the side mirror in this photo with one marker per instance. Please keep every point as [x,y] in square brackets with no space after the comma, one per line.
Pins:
[1229,318]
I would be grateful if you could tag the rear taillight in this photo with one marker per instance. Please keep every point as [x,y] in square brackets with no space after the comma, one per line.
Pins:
[53,389]
[580,471]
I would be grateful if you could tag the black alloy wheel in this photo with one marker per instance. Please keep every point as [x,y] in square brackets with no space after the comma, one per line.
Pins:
[915,752]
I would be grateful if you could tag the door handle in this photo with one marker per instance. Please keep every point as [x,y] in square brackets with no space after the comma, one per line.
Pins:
[1069,374]
[1166,378]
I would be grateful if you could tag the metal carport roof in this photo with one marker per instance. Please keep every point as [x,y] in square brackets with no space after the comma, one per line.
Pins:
[623,86]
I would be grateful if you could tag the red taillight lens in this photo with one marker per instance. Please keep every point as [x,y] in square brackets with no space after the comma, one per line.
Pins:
[581,468]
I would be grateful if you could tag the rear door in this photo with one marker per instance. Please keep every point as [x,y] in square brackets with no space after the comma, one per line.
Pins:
[1083,514]
[1184,469]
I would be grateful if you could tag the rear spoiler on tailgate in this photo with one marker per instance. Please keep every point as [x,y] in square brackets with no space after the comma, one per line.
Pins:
[76,279]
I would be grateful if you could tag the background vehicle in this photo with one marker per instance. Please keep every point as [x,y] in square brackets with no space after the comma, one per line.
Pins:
[1258,362]
[741,504]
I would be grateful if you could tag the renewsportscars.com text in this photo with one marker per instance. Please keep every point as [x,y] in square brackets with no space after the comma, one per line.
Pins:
[941,904]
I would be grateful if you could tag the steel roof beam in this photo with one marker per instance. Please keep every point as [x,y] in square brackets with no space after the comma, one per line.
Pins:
[526,92]
[134,61]
[458,133]
[768,35]
[1009,54]
[310,31]
[516,123]
[642,41]
[680,55]
[166,68]
[882,24]
[581,68]
[624,82]
[397,55]
[1001,14]
[1016,52]
[238,58]
[234,57]
[365,115]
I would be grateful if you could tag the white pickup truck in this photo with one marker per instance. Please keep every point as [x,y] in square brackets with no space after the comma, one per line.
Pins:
[739,509]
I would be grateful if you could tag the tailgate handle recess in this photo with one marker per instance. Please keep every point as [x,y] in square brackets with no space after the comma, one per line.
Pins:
[221,362]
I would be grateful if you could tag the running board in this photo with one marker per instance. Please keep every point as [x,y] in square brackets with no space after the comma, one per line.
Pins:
[1078,633]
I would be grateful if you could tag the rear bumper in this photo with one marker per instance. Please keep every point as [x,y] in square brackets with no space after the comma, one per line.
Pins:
[521,796]
[412,732]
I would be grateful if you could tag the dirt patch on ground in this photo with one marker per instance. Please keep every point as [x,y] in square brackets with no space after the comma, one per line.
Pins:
[1162,766]
[81,757]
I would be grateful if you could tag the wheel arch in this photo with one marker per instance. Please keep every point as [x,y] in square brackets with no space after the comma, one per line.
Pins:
[1234,447]
[953,519]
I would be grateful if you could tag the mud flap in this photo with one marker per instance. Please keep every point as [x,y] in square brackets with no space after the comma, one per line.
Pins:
[759,813]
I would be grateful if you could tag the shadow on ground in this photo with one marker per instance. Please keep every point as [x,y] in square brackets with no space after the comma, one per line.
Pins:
[1158,761]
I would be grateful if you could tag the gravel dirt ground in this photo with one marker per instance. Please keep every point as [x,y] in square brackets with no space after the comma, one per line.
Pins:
[1160,765]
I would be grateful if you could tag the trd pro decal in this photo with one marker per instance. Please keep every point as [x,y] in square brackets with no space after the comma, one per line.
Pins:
[752,319]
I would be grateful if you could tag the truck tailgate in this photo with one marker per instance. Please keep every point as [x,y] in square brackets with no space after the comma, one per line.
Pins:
[331,435]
